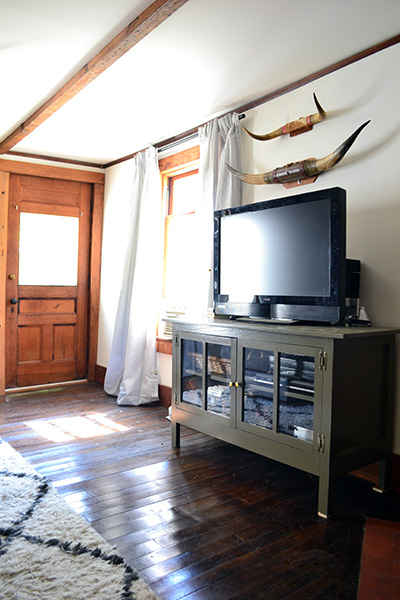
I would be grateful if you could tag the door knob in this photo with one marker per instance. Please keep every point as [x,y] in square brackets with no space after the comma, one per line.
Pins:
[14,301]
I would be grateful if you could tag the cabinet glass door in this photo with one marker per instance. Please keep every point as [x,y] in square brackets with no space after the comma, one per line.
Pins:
[258,387]
[280,393]
[296,396]
[219,362]
[206,375]
[192,372]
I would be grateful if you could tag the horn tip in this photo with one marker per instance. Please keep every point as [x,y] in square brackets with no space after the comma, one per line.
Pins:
[231,169]
[362,127]
[321,111]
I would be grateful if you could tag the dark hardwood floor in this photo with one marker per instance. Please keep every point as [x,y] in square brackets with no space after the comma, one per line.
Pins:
[206,522]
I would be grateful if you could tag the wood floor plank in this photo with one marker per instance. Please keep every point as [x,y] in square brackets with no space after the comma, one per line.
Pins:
[208,521]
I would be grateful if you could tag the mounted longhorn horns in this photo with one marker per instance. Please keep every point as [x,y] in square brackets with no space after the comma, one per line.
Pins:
[301,125]
[304,169]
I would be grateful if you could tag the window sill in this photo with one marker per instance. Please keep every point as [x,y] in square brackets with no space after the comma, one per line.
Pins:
[164,345]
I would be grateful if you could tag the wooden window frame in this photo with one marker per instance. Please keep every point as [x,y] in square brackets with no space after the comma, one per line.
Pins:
[171,166]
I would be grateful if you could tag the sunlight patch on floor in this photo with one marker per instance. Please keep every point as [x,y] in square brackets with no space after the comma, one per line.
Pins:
[65,429]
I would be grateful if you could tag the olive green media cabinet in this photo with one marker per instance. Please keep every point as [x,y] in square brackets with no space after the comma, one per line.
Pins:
[318,398]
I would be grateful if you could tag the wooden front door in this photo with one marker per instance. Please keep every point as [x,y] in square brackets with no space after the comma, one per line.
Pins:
[47,280]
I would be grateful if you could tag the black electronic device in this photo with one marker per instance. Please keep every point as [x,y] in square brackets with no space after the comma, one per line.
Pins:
[285,259]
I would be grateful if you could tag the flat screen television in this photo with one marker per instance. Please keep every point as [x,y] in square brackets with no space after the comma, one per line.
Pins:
[283,259]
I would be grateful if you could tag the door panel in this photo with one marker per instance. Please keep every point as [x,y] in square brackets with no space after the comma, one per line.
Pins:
[64,341]
[29,344]
[47,323]
[46,306]
[54,196]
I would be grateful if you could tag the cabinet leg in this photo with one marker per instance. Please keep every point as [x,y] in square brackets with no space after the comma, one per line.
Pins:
[384,470]
[326,493]
[176,435]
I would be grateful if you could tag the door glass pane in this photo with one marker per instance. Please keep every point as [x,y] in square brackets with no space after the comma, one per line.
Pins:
[258,387]
[48,249]
[192,372]
[218,378]
[296,396]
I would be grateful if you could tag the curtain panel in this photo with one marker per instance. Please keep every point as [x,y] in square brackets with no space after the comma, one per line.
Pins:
[219,145]
[132,368]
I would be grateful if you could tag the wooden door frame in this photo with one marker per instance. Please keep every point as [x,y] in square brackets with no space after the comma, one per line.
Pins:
[96,178]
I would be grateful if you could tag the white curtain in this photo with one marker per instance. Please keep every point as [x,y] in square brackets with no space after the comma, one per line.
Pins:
[219,144]
[132,369]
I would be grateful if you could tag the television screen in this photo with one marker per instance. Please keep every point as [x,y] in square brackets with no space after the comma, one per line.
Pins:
[283,251]
[287,252]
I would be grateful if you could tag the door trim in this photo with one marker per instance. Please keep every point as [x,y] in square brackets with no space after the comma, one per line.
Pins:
[4,196]
[97,180]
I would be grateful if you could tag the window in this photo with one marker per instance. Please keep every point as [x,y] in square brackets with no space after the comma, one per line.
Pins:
[180,233]
[181,187]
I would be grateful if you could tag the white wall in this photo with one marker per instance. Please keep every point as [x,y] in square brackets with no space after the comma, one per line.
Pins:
[368,89]
[369,172]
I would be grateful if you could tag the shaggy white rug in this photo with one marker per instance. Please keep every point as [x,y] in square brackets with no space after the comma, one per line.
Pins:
[47,551]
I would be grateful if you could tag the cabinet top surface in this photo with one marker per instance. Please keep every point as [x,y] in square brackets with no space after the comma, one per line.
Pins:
[321,331]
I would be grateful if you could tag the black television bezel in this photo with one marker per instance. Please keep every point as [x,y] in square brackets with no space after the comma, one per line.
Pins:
[330,308]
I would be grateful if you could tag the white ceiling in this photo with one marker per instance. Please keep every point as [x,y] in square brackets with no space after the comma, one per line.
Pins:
[208,58]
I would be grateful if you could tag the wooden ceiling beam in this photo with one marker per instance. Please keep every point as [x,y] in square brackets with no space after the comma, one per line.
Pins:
[138,29]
